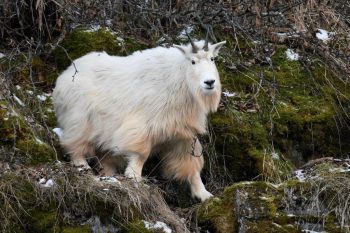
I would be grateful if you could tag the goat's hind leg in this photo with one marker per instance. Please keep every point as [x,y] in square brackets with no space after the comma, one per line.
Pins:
[110,164]
[78,154]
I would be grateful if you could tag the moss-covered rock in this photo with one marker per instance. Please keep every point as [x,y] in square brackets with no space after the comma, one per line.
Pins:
[314,199]
[263,207]
[25,138]
[246,205]
[81,42]
[282,114]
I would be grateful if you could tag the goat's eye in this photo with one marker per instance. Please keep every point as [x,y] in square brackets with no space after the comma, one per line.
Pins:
[193,62]
[212,58]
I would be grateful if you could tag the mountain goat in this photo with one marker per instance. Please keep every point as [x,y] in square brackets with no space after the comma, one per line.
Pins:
[153,100]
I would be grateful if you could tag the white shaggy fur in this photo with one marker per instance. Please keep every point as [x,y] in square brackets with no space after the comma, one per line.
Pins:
[155,99]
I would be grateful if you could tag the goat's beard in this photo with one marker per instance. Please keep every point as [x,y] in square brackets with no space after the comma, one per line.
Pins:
[208,99]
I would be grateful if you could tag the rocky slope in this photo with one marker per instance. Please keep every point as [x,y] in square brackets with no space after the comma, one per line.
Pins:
[285,103]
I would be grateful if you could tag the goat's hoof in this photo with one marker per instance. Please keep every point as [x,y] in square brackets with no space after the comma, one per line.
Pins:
[203,195]
[81,166]
[134,177]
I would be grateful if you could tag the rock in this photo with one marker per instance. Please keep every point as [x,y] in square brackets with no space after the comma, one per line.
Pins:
[291,206]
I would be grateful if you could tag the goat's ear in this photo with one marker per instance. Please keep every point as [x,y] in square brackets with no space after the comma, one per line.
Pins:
[216,47]
[181,48]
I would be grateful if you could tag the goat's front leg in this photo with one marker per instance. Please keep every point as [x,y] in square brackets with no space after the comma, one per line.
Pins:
[134,167]
[197,187]
[184,161]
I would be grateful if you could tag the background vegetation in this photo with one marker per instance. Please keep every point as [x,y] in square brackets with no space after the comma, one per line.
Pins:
[278,115]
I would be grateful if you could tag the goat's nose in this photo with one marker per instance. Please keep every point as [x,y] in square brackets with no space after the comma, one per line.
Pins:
[209,82]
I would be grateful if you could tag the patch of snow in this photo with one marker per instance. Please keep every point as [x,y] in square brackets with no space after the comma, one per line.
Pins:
[300,175]
[157,226]
[161,40]
[324,35]
[311,231]
[18,87]
[275,185]
[229,94]
[110,179]
[2,55]
[268,59]
[29,92]
[39,141]
[287,34]
[252,110]
[275,155]
[182,34]
[42,181]
[247,182]
[58,131]
[277,225]
[41,97]
[264,198]
[109,22]
[291,55]
[282,103]
[93,28]
[281,34]
[48,184]
[18,101]
[120,39]
[105,189]
[339,170]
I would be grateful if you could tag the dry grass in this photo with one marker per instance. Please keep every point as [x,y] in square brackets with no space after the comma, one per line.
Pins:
[121,200]
[330,194]
[323,194]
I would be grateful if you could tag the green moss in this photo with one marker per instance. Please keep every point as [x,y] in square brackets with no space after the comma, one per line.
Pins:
[8,122]
[293,114]
[137,227]
[270,227]
[77,229]
[35,151]
[26,138]
[242,200]
[259,207]
[332,225]
[43,221]
[220,213]
[81,42]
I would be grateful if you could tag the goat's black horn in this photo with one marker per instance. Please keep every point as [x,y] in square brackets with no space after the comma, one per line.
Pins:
[194,47]
[206,47]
